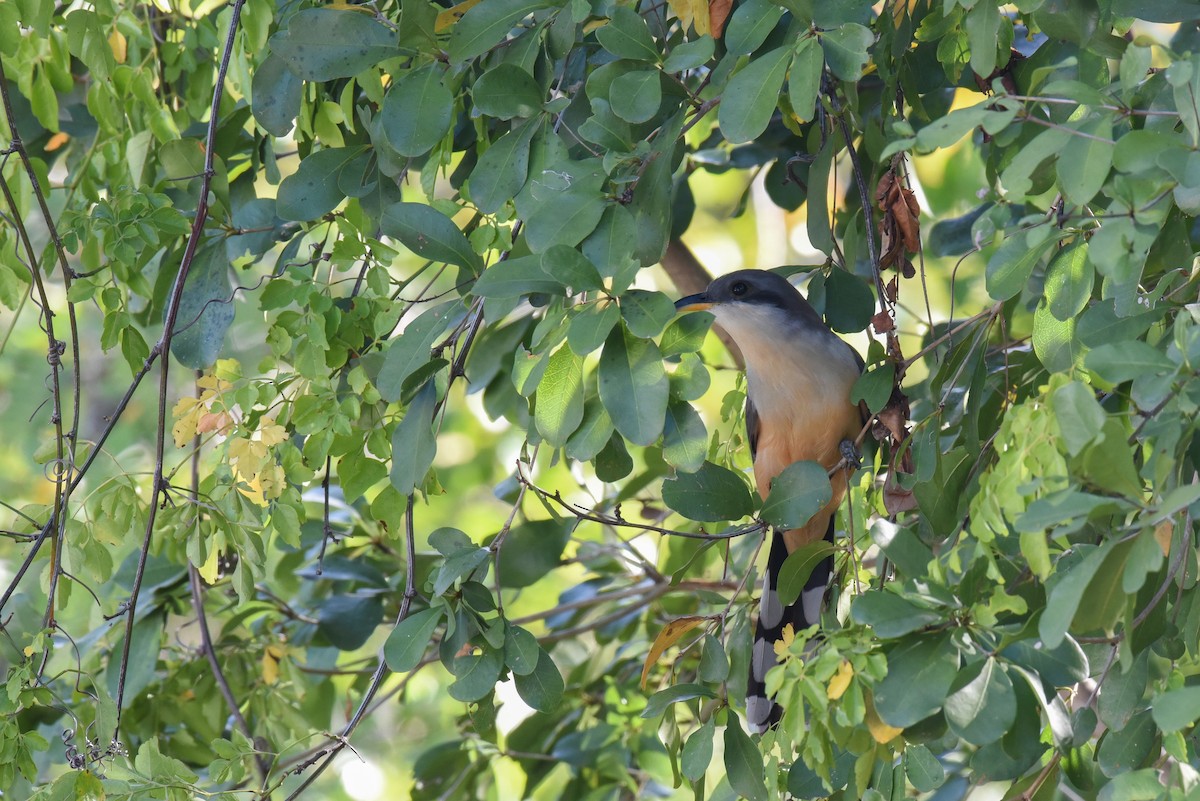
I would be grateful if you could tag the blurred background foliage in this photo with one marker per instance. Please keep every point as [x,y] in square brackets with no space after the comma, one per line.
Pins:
[438,493]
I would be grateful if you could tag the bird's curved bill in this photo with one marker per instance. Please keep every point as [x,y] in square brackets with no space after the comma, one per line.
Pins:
[693,303]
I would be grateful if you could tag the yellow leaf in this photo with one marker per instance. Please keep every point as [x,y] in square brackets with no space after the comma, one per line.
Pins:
[120,48]
[882,732]
[445,20]
[272,655]
[1162,535]
[253,490]
[785,642]
[58,140]
[840,681]
[272,434]
[209,570]
[668,637]
[29,651]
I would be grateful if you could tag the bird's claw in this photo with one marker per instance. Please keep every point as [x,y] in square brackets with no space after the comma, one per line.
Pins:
[850,454]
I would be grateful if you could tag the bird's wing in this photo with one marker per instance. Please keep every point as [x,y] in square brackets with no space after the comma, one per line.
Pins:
[752,424]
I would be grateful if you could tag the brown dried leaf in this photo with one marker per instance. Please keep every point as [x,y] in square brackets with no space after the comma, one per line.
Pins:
[882,323]
[718,13]
[668,637]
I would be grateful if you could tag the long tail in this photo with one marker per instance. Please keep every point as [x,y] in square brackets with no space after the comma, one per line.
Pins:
[762,712]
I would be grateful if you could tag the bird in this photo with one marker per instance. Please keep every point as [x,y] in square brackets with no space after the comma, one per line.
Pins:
[799,378]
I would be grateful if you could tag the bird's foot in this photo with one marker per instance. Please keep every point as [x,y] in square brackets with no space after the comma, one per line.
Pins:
[850,454]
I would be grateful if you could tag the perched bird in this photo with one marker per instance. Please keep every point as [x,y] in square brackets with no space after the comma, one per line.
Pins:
[799,375]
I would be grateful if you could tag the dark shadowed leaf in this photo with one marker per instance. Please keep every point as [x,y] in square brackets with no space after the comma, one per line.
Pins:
[205,310]
[427,232]
[712,493]
[542,688]
[321,44]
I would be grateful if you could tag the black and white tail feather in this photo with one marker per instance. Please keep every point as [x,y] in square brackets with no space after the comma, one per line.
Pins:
[762,712]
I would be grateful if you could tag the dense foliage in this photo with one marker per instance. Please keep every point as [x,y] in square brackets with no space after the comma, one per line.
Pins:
[344,396]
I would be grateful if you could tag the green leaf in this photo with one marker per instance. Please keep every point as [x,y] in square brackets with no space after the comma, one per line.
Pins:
[743,763]
[411,350]
[322,44]
[626,36]
[570,267]
[312,190]
[1010,266]
[846,50]
[559,408]
[1079,416]
[593,433]
[685,439]
[752,95]
[981,705]
[925,773]
[413,442]
[486,25]
[983,28]
[689,55]
[521,650]
[674,694]
[515,278]
[411,638]
[1123,692]
[430,234]
[276,93]
[752,21]
[608,245]
[799,565]
[633,386]
[348,621]
[567,203]
[416,113]
[205,310]
[531,550]
[1069,280]
[1138,785]
[849,302]
[591,326]
[919,677]
[1064,605]
[804,78]
[891,615]
[698,751]
[875,387]
[645,312]
[711,494]
[797,493]
[502,170]
[636,96]
[476,675]
[507,91]
[1129,748]
[1055,342]
[1083,166]
[1108,462]
[686,334]
[1118,362]
[542,688]
[1060,666]
[714,662]
[1017,177]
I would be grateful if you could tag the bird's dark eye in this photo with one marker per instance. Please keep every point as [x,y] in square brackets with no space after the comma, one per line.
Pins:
[739,288]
